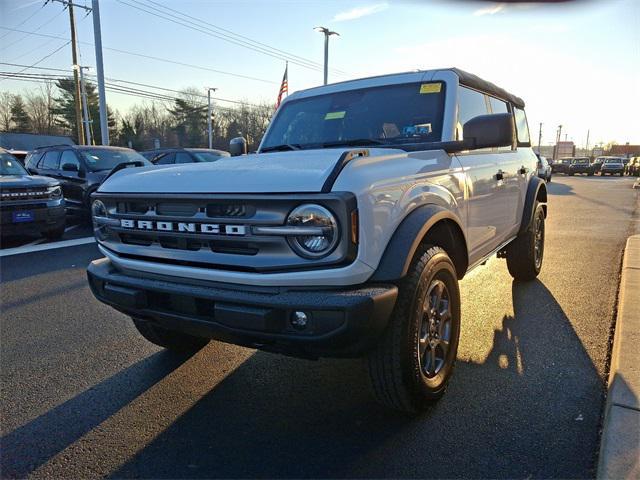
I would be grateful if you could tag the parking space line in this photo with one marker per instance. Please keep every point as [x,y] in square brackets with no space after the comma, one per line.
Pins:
[46,246]
[68,229]
[35,242]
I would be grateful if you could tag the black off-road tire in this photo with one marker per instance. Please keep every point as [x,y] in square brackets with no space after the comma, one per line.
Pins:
[169,339]
[524,260]
[397,364]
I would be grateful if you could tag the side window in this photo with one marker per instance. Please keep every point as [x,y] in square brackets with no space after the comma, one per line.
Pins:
[166,159]
[498,106]
[471,103]
[182,157]
[69,156]
[32,159]
[50,160]
[522,128]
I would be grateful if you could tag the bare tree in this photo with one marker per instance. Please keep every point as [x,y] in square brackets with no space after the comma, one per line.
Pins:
[6,99]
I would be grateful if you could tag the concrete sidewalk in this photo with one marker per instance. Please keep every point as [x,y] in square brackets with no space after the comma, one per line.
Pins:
[620,445]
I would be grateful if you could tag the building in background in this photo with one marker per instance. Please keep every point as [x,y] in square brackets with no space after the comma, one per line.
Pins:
[19,144]
[625,150]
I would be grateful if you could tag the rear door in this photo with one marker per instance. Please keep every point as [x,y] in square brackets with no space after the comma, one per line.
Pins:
[49,163]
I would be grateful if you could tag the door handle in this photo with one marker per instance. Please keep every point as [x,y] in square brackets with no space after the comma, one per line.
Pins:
[500,175]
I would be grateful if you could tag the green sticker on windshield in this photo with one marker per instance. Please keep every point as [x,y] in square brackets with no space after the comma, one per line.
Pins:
[334,115]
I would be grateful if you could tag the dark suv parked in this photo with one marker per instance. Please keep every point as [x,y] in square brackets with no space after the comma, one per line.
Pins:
[29,204]
[561,165]
[80,169]
[169,156]
[581,165]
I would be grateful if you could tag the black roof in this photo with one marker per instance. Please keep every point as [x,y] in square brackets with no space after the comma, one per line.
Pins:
[470,80]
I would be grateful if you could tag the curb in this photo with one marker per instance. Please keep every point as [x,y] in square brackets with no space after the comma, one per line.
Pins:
[620,444]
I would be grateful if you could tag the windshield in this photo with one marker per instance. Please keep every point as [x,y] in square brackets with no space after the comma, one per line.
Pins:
[581,160]
[9,165]
[613,160]
[107,158]
[209,156]
[393,114]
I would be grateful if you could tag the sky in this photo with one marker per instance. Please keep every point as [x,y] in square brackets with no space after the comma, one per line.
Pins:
[575,64]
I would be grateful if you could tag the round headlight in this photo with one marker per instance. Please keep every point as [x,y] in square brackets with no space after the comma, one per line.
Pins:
[54,192]
[98,209]
[314,216]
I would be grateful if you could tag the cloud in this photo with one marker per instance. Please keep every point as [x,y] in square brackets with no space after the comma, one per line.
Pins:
[360,12]
[491,10]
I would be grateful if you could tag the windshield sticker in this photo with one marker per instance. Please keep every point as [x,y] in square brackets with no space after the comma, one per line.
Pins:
[430,88]
[334,115]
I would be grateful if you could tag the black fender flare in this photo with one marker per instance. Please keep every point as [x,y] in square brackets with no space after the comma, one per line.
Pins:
[404,243]
[536,190]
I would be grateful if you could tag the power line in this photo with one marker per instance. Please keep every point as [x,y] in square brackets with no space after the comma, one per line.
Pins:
[151,57]
[238,102]
[237,35]
[192,26]
[5,47]
[24,21]
[43,58]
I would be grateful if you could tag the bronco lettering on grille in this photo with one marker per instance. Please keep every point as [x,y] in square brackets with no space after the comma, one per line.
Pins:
[210,228]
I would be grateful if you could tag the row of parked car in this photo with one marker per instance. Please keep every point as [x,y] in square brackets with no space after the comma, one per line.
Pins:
[38,192]
[607,165]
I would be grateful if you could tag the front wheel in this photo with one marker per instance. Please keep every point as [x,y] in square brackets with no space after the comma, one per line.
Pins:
[413,362]
[525,253]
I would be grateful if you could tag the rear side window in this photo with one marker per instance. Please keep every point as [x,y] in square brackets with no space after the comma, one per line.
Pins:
[522,128]
[32,159]
[182,157]
[167,159]
[50,160]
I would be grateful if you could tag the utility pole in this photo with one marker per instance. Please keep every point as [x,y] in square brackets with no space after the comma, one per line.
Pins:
[327,34]
[209,119]
[85,107]
[540,138]
[97,35]
[74,56]
[555,150]
[586,147]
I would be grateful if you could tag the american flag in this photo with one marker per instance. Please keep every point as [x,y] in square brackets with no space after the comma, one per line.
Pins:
[284,87]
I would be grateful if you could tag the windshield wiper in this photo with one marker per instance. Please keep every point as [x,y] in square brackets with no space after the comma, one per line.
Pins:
[279,148]
[352,142]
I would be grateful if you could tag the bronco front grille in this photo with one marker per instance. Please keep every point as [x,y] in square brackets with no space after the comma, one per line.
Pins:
[24,194]
[218,231]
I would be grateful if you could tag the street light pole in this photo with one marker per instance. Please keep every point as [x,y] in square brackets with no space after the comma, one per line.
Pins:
[85,109]
[209,120]
[540,139]
[327,34]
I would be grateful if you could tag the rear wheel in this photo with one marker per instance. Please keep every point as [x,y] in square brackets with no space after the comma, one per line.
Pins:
[525,253]
[413,362]
[169,339]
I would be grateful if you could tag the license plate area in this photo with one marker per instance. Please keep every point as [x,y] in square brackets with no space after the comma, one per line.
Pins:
[22,216]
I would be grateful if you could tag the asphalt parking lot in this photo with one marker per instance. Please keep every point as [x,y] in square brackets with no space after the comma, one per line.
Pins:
[83,395]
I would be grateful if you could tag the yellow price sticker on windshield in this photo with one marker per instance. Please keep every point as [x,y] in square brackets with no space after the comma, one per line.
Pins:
[430,88]
[334,115]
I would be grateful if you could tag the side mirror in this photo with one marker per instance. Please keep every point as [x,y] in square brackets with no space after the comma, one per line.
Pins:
[238,146]
[488,131]
[70,167]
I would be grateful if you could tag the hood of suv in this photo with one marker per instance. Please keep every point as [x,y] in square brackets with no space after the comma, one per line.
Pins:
[26,181]
[277,172]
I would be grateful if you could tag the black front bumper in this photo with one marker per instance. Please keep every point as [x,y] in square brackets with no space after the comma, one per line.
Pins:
[341,322]
[47,216]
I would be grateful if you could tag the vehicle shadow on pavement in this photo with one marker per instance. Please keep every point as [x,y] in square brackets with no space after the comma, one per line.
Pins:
[26,448]
[555,188]
[527,410]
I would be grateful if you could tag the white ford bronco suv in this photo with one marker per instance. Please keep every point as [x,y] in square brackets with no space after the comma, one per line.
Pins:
[344,235]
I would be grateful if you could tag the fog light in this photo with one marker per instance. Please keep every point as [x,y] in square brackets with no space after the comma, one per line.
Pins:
[299,320]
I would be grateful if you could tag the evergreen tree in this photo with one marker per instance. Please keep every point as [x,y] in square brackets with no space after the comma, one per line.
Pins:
[190,119]
[19,115]
[65,110]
